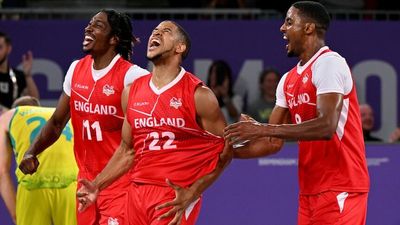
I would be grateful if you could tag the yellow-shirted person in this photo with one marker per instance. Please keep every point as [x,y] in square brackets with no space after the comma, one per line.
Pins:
[48,196]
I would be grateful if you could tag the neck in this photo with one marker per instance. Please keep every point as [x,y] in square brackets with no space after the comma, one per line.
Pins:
[4,67]
[165,72]
[310,48]
[102,61]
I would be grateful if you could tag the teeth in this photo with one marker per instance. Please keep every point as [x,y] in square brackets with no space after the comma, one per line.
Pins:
[88,38]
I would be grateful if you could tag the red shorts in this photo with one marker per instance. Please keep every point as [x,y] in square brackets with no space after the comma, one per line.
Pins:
[110,208]
[333,207]
[143,200]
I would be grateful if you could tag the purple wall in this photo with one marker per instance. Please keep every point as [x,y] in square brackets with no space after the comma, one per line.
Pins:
[249,193]
[264,191]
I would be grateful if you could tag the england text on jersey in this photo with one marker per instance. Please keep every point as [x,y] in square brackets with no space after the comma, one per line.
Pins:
[95,108]
[156,122]
[303,98]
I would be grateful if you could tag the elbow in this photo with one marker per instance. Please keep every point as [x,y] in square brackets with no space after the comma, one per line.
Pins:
[327,130]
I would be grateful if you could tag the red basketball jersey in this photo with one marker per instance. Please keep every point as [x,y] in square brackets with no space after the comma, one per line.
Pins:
[97,116]
[166,137]
[338,164]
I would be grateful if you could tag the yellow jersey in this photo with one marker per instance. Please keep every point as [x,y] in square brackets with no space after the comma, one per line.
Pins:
[57,168]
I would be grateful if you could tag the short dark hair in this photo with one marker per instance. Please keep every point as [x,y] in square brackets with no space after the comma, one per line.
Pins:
[25,100]
[185,39]
[121,26]
[314,11]
[6,37]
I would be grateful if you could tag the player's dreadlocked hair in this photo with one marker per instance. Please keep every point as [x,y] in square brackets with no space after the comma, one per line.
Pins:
[121,27]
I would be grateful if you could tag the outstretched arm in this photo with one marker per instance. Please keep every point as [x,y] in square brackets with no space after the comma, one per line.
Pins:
[322,127]
[266,145]
[119,164]
[210,118]
[7,189]
[47,136]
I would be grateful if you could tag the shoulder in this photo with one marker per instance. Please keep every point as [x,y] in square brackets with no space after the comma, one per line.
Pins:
[205,101]
[137,70]
[204,95]
[134,73]
[330,58]
[5,119]
[19,74]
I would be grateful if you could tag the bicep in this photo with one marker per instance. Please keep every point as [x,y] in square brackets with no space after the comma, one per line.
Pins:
[61,115]
[329,106]
[209,115]
[125,98]
[126,127]
[126,134]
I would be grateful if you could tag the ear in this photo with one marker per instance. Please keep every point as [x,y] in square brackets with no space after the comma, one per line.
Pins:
[180,47]
[309,28]
[114,40]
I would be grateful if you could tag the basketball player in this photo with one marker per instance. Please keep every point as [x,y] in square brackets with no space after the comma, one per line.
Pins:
[92,96]
[171,138]
[319,97]
[48,196]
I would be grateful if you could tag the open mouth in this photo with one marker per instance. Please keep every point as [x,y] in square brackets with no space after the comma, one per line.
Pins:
[87,40]
[154,44]
[287,41]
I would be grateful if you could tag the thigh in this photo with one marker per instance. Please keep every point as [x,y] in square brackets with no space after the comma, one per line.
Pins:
[112,208]
[354,211]
[166,194]
[331,207]
[136,210]
[32,207]
[304,211]
[87,217]
[64,203]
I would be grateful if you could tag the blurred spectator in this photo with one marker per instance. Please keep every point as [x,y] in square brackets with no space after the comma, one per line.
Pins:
[395,135]
[220,81]
[261,108]
[14,83]
[367,120]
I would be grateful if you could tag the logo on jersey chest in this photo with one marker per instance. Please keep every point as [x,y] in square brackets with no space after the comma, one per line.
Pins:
[175,102]
[305,78]
[108,90]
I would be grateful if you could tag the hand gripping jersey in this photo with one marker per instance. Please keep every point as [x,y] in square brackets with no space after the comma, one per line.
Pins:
[57,164]
[338,164]
[97,116]
[167,140]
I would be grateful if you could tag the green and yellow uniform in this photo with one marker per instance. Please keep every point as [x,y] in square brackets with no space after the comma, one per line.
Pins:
[48,196]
